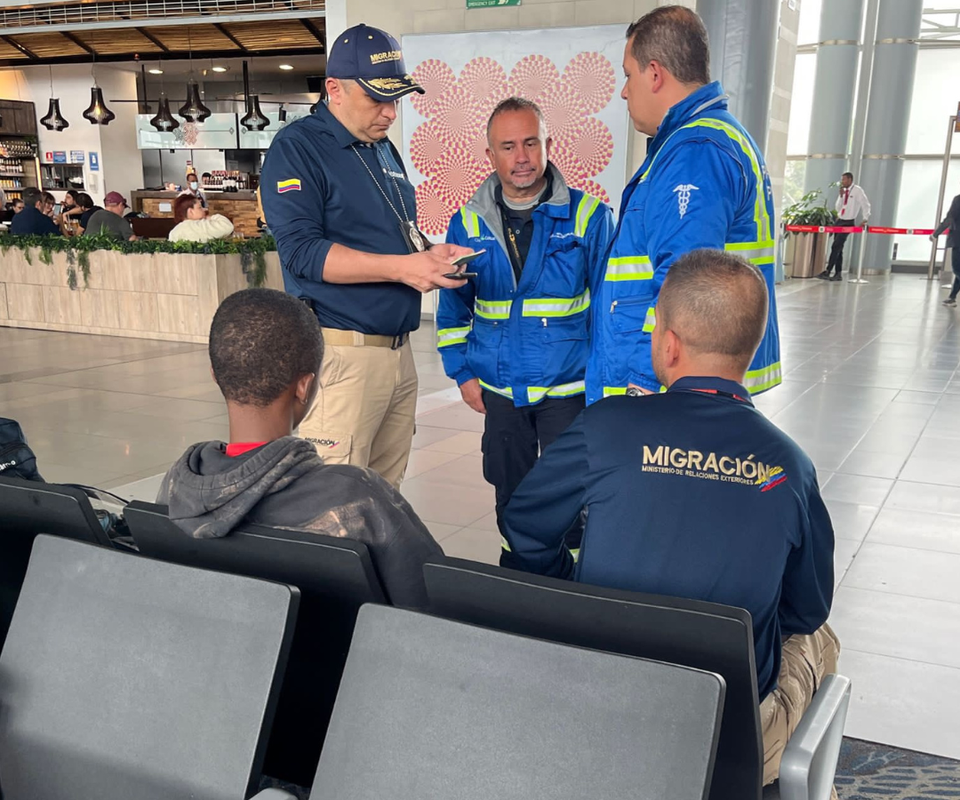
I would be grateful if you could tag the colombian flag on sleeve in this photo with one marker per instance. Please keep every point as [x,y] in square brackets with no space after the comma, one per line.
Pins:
[291,185]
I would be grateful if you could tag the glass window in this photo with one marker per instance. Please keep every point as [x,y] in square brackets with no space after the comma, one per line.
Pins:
[917,205]
[932,104]
[801,104]
[808,28]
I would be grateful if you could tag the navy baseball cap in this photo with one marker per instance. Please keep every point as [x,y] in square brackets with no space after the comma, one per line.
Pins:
[373,59]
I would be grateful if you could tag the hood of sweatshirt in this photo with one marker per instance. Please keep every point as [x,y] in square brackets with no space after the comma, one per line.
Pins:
[209,493]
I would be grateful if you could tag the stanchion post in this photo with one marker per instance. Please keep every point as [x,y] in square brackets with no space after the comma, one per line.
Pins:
[943,189]
[863,249]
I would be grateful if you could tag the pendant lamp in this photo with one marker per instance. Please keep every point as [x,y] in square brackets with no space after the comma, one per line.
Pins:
[194,110]
[254,119]
[98,113]
[164,121]
[54,121]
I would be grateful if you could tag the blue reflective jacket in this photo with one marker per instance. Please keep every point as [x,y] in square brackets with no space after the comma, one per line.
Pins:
[703,184]
[525,341]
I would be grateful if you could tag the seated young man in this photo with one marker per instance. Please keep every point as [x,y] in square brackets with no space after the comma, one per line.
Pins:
[694,493]
[265,350]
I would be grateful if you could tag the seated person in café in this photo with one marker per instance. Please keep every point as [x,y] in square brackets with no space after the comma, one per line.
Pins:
[694,493]
[71,204]
[109,220]
[265,350]
[194,224]
[49,203]
[86,203]
[33,220]
[17,206]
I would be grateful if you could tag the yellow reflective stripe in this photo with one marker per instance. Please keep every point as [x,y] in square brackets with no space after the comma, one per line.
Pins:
[536,393]
[588,205]
[759,380]
[650,322]
[449,336]
[760,208]
[755,252]
[575,552]
[629,268]
[492,309]
[611,391]
[504,544]
[556,306]
[508,392]
[471,222]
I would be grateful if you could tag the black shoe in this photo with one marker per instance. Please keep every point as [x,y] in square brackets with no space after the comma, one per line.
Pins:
[824,276]
[950,302]
[837,277]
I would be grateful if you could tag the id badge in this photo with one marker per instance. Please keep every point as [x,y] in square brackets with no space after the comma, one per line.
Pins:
[416,241]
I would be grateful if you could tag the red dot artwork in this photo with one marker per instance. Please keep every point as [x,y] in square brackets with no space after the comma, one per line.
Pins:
[449,148]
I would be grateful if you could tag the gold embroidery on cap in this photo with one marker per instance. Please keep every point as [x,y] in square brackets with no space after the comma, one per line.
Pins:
[388,86]
[389,55]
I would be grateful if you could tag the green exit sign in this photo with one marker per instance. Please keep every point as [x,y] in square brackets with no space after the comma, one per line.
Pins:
[491,3]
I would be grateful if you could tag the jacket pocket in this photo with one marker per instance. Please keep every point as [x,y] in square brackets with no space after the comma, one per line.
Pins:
[629,315]
[565,271]
[564,356]
[483,350]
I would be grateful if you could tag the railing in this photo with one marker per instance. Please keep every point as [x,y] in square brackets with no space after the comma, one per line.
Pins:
[57,16]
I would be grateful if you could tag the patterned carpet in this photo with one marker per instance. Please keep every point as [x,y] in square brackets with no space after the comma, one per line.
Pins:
[866,771]
[869,771]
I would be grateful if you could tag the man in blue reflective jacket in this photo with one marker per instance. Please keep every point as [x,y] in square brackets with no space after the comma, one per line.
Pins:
[703,184]
[515,337]
[694,493]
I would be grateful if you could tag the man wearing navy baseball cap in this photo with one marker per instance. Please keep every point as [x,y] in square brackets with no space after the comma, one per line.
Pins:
[336,194]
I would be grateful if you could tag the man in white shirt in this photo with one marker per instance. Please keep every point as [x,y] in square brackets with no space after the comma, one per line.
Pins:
[851,203]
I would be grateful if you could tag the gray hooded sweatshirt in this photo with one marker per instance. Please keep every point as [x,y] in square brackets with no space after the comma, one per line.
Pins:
[285,484]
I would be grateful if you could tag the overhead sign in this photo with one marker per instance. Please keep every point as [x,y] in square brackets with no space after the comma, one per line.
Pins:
[218,132]
[491,3]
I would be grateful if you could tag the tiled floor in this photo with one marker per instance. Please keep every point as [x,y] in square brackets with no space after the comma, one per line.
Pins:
[871,391]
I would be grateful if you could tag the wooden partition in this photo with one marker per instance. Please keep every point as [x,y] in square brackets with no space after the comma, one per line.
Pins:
[166,296]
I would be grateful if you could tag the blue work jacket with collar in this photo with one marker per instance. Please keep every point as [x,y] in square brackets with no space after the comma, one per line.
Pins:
[320,187]
[525,340]
[702,185]
[690,493]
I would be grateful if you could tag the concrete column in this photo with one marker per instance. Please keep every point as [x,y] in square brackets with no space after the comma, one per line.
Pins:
[835,85]
[888,114]
[743,41]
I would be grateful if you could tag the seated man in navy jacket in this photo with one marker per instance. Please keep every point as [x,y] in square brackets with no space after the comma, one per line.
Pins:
[694,493]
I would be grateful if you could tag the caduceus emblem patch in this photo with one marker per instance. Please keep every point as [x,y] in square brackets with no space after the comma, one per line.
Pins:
[683,196]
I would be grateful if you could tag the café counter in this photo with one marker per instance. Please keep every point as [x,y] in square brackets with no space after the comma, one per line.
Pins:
[239,207]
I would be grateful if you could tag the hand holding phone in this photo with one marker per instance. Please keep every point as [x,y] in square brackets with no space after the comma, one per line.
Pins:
[462,261]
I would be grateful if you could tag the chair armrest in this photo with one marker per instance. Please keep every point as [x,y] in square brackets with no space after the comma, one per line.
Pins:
[273,794]
[809,761]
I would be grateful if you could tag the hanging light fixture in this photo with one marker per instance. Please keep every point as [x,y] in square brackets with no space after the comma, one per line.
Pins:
[164,121]
[54,121]
[193,110]
[254,119]
[97,113]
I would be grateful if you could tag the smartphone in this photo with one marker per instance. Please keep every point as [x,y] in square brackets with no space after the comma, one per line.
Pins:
[459,262]
[460,275]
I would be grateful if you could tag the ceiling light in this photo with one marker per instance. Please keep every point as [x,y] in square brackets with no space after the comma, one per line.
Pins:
[219,69]
[286,67]
[155,71]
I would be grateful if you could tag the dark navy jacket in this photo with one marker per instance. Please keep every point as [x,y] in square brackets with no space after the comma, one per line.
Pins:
[316,192]
[692,493]
[33,221]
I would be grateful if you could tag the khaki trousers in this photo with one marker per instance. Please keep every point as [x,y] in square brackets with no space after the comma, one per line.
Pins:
[365,409]
[805,662]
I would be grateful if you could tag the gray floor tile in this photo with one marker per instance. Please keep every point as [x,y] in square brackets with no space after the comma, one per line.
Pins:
[924,496]
[901,697]
[425,460]
[850,520]
[916,529]
[906,571]
[473,544]
[858,489]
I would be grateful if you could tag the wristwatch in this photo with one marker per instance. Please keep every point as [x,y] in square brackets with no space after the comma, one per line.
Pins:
[634,391]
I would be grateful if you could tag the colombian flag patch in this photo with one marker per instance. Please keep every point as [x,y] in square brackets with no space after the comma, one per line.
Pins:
[291,185]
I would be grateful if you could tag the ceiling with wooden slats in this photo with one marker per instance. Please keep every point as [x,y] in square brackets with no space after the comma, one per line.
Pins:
[228,39]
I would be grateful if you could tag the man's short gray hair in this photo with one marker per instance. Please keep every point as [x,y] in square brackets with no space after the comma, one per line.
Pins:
[517,104]
[676,38]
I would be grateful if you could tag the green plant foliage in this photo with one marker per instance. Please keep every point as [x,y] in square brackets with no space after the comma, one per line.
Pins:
[807,211]
[251,251]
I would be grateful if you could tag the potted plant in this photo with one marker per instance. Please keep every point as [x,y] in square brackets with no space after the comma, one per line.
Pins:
[806,252]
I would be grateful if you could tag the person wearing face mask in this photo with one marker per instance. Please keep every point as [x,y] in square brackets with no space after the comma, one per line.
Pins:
[193,188]
[194,224]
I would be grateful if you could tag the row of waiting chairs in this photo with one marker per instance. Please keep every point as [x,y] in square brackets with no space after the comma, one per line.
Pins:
[335,577]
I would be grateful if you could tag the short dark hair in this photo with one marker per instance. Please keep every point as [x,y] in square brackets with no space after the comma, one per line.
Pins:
[262,341]
[191,175]
[716,303]
[675,37]
[74,194]
[182,205]
[31,196]
[848,175]
[15,201]
[49,198]
[85,201]
[516,104]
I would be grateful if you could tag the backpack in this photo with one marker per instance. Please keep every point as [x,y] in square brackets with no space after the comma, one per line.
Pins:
[17,460]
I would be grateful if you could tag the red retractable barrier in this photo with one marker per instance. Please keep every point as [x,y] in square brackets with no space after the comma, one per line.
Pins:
[824,229]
